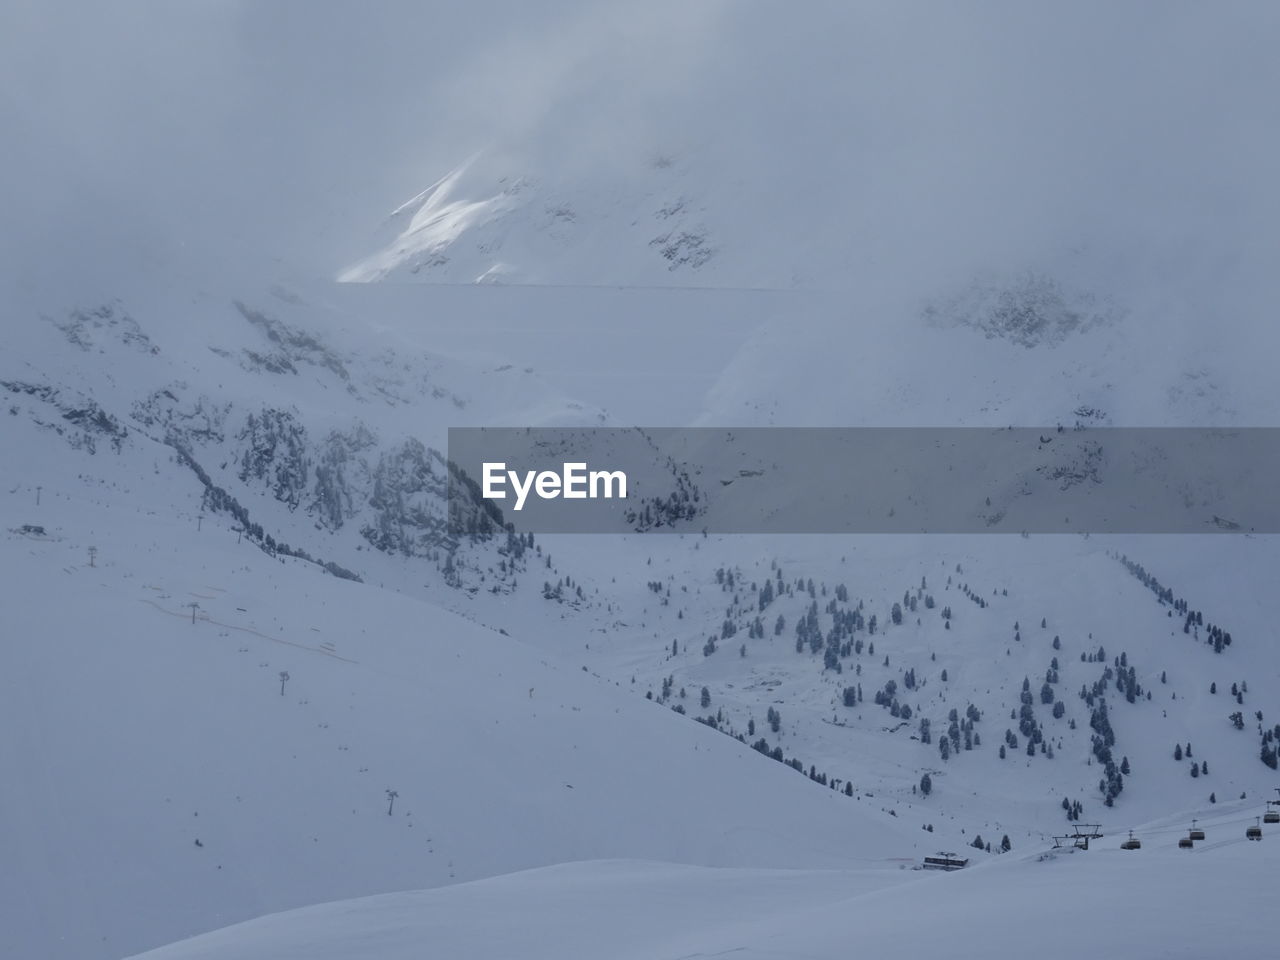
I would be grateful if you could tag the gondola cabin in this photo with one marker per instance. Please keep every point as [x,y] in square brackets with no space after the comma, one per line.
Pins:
[1254,833]
[1196,833]
[1132,843]
[1271,816]
[1185,843]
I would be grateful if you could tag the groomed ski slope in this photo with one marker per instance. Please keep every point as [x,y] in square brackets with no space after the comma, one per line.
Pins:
[1157,902]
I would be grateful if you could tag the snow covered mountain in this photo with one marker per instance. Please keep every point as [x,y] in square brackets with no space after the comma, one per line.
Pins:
[508,228]
[263,701]
[242,469]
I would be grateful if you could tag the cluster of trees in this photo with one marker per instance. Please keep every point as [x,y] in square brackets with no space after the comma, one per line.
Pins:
[1124,674]
[911,603]
[839,642]
[887,697]
[973,595]
[1112,783]
[1269,740]
[765,596]
[775,753]
[1028,725]
[836,644]
[1193,620]
[1127,680]
[714,721]
[842,640]
[558,592]
[668,686]
[217,500]
[275,452]
[683,503]
[1197,768]
[978,844]
[774,718]
[960,732]
[93,419]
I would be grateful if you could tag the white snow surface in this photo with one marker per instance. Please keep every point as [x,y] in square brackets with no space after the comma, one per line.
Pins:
[663,214]
[516,730]
[1121,903]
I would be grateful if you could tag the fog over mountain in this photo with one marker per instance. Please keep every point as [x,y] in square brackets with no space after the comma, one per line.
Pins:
[859,144]
[271,692]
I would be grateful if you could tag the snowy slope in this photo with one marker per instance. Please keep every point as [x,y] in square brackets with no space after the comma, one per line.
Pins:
[1087,601]
[1158,902]
[96,399]
[715,214]
[479,224]
[168,786]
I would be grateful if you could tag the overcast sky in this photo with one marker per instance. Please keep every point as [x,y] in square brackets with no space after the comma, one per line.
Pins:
[289,128]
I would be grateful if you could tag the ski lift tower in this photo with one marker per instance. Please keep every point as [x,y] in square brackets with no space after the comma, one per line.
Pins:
[1080,837]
